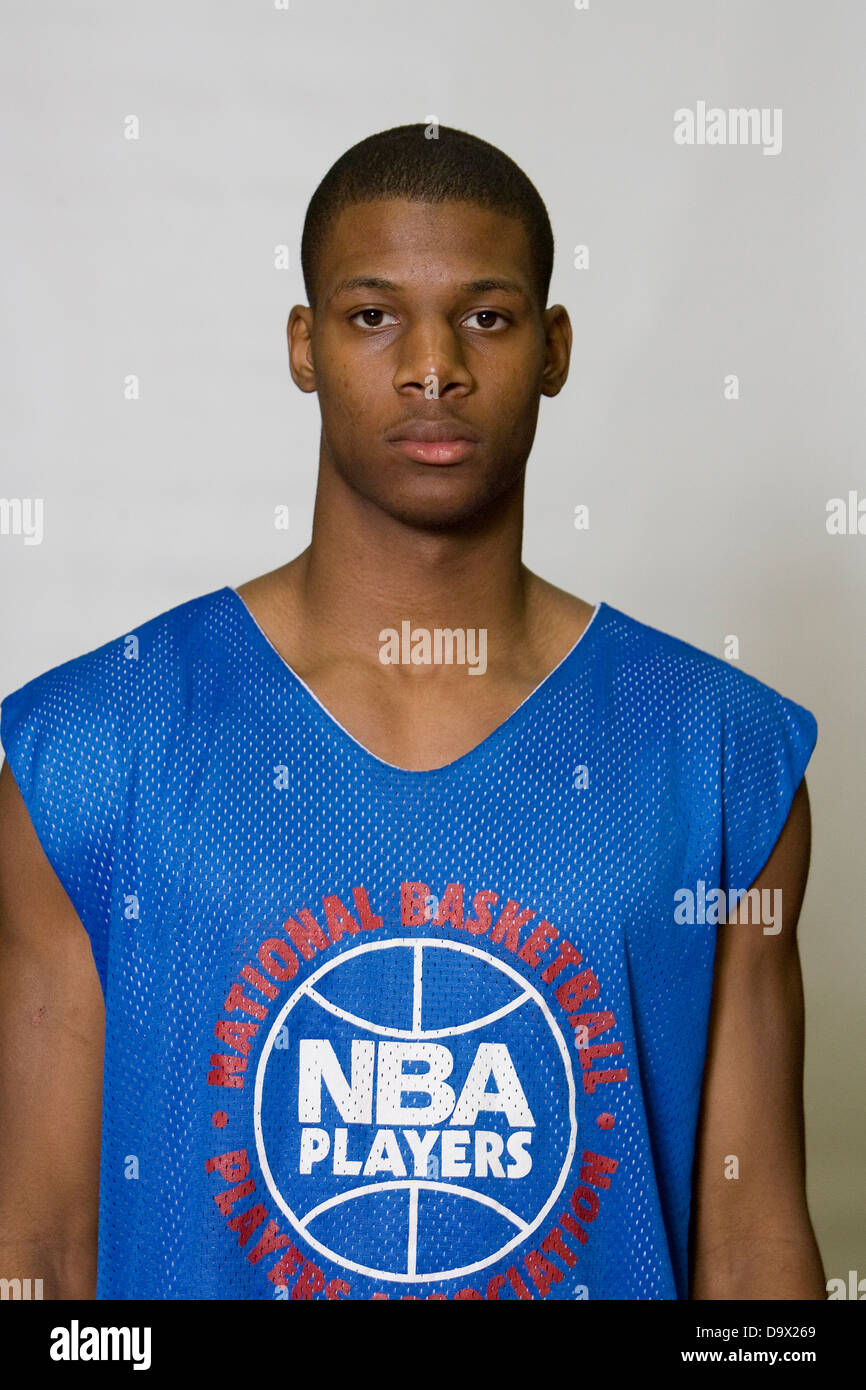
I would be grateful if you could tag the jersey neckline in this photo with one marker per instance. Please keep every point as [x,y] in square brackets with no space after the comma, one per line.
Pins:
[259,640]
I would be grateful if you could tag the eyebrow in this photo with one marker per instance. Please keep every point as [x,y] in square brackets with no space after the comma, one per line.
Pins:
[375,282]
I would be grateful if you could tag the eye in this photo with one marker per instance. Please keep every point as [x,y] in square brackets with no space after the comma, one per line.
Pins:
[487,314]
[367,322]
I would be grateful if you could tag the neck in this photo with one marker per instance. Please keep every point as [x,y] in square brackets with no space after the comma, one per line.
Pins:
[365,571]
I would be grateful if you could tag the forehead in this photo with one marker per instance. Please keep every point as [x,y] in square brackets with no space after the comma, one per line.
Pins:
[424,244]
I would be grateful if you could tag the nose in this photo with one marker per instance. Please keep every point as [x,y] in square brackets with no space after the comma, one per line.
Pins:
[431,360]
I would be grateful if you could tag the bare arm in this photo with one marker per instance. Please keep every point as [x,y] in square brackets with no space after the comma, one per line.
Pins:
[51,1052]
[752,1234]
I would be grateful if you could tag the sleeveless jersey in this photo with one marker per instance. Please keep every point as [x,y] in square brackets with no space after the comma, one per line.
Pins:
[378,1033]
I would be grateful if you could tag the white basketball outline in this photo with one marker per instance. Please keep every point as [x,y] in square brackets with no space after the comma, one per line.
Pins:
[417,944]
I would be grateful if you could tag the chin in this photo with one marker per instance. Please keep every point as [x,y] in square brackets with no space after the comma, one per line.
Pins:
[438,508]
[435,497]
[433,519]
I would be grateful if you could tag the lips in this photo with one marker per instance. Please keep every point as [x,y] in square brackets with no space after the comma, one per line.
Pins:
[434,441]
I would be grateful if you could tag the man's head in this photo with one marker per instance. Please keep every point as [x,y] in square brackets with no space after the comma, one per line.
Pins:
[427,264]
[405,164]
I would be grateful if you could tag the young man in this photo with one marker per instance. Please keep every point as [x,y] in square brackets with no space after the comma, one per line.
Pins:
[414,984]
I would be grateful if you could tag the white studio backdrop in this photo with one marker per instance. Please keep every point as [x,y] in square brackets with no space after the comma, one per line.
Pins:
[714,408]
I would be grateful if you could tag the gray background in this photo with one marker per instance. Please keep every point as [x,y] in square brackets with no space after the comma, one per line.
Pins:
[156,257]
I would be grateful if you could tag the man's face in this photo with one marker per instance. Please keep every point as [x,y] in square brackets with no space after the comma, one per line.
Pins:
[409,332]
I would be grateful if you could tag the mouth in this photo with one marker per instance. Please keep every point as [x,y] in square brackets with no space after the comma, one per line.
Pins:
[434,441]
[440,451]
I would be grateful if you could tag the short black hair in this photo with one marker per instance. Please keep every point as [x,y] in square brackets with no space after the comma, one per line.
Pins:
[406,162]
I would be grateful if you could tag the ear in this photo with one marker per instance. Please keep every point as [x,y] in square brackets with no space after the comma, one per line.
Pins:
[557,330]
[300,338]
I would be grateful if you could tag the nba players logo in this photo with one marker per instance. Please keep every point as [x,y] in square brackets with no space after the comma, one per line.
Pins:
[415,1110]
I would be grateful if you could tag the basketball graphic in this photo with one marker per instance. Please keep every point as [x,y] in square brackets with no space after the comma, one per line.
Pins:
[414,1109]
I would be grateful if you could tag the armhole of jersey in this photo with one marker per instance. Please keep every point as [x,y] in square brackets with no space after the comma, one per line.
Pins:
[33,748]
[770,742]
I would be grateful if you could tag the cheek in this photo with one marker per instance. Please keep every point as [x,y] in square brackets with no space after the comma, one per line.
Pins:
[351,381]
[518,390]
[344,394]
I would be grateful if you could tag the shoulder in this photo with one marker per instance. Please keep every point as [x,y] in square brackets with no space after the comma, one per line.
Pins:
[82,707]
[744,745]
[688,680]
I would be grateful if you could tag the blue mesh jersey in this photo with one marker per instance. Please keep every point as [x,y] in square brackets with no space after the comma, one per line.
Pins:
[379,1033]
